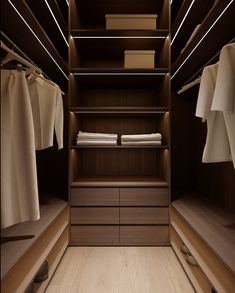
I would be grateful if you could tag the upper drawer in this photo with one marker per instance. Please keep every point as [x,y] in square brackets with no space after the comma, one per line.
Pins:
[144,196]
[95,196]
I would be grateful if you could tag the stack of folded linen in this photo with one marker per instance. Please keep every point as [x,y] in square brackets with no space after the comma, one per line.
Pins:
[90,138]
[142,139]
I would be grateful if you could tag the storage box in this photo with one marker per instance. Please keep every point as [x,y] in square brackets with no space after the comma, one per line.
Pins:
[139,59]
[131,21]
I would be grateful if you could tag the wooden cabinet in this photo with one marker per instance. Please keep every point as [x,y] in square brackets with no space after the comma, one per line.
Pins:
[118,185]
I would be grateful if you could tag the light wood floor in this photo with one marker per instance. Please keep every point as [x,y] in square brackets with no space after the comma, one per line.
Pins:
[119,270]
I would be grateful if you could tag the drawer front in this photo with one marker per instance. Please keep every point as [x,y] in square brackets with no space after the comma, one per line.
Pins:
[194,272]
[144,196]
[144,235]
[94,235]
[95,196]
[144,216]
[94,216]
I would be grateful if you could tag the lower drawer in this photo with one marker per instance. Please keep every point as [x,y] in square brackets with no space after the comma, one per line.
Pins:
[95,216]
[94,235]
[144,235]
[144,216]
[194,272]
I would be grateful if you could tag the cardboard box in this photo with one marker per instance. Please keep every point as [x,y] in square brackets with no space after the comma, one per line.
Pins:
[131,21]
[139,59]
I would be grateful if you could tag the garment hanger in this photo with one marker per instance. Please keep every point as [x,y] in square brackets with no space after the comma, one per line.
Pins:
[31,69]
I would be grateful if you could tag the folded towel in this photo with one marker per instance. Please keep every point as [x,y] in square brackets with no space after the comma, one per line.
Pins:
[147,142]
[96,142]
[142,137]
[93,135]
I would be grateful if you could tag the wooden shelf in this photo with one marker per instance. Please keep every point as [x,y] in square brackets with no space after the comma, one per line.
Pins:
[163,33]
[39,52]
[119,182]
[212,223]
[119,147]
[197,13]
[12,252]
[215,32]
[155,71]
[119,110]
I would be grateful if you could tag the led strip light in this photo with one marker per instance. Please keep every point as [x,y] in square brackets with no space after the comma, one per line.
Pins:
[118,37]
[182,22]
[67,2]
[117,73]
[38,39]
[56,22]
[202,38]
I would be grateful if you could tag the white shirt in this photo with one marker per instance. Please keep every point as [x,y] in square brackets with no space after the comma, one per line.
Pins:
[224,96]
[217,147]
[47,108]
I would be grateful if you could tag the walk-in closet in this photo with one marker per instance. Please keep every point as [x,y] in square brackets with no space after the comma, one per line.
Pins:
[118,146]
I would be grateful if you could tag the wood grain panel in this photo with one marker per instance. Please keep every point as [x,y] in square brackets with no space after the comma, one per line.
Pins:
[144,216]
[144,235]
[94,235]
[94,196]
[195,273]
[144,196]
[95,216]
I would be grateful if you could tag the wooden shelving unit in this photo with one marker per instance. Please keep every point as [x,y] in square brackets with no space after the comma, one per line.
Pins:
[106,97]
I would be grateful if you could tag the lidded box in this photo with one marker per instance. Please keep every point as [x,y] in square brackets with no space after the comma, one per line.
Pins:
[131,21]
[139,59]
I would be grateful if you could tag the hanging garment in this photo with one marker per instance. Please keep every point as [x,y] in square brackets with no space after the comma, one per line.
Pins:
[19,190]
[217,146]
[224,97]
[47,108]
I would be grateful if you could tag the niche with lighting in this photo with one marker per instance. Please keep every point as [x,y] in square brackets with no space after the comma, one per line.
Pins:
[106,97]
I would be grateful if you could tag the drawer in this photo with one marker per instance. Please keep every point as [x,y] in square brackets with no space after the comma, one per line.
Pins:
[144,216]
[94,196]
[144,235]
[94,235]
[144,196]
[194,272]
[94,216]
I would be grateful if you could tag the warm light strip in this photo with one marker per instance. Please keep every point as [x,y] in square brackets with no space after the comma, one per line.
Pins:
[67,2]
[117,37]
[117,73]
[171,1]
[56,22]
[37,38]
[182,21]
[202,38]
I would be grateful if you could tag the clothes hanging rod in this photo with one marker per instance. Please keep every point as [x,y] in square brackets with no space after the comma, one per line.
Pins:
[210,61]
[189,85]
[24,60]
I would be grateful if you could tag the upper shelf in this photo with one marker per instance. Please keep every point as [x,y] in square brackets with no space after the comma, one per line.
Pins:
[121,70]
[91,14]
[30,37]
[215,32]
[163,33]
[190,15]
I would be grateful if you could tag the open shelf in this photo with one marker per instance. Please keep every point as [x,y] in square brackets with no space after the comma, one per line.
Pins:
[119,110]
[119,182]
[215,32]
[120,146]
[91,14]
[161,34]
[120,70]
[212,223]
[184,26]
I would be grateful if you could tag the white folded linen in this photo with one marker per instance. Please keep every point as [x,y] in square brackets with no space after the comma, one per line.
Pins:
[142,137]
[97,142]
[147,142]
[96,136]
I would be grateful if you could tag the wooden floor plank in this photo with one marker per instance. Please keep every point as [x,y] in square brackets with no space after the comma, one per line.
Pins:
[119,270]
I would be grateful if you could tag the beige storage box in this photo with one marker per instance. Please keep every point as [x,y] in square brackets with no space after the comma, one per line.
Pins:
[139,59]
[131,21]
